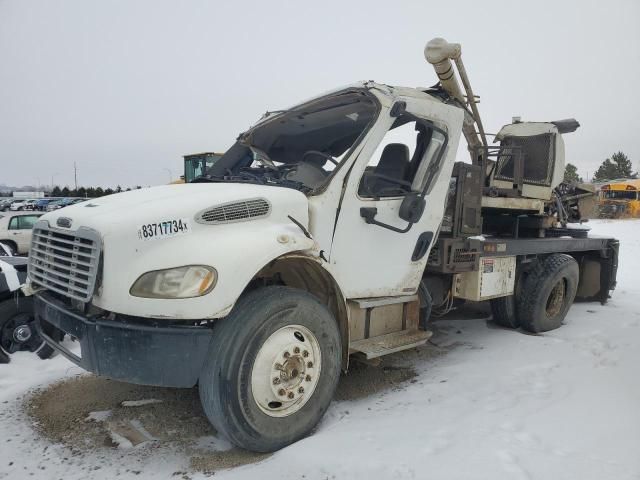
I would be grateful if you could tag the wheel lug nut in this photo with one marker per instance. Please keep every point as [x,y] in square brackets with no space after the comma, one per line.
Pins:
[286,355]
[296,350]
[308,378]
[301,390]
[276,381]
[290,395]
[305,354]
[281,392]
[309,364]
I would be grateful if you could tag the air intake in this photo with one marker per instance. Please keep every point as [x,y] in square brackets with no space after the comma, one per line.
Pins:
[235,212]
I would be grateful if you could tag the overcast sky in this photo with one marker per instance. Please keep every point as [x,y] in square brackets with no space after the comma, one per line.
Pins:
[125,88]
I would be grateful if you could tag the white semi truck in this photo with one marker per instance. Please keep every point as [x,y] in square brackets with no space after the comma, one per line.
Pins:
[328,230]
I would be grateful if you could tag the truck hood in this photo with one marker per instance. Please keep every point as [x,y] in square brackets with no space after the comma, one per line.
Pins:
[165,202]
[144,230]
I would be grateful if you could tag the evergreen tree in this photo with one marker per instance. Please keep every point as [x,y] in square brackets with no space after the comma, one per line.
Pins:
[571,174]
[618,166]
[623,164]
[606,171]
[56,191]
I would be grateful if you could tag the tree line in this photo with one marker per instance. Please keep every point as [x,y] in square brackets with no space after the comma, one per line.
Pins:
[88,192]
[81,192]
[619,166]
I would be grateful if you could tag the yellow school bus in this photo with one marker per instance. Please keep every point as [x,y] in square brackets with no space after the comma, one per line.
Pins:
[619,199]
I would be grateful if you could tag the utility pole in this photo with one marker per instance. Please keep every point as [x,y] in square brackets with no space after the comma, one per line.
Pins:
[75,175]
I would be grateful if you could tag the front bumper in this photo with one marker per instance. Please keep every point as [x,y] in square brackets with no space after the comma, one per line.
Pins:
[133,352]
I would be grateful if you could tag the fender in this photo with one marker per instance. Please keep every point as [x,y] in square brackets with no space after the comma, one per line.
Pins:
[309,273]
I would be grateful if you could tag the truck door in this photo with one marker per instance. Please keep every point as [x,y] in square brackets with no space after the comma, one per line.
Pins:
[402,154]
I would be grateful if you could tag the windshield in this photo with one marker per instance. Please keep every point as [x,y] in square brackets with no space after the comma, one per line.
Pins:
[299,148]
[619,194]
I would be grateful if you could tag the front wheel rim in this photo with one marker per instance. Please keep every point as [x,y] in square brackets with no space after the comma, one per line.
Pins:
[286,371]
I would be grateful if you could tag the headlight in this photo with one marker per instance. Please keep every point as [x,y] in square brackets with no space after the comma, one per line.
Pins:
[180,282]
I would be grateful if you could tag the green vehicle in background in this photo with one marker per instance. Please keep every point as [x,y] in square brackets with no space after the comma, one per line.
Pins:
[196,164]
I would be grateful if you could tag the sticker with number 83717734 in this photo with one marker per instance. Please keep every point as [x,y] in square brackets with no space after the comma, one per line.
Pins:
[164,229]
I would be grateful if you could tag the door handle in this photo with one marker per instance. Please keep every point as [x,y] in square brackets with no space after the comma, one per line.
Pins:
[422,245]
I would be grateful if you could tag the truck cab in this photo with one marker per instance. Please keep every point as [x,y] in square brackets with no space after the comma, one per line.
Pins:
[281,208]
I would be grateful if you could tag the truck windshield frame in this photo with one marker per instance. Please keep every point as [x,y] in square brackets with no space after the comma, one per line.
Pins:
[300,148]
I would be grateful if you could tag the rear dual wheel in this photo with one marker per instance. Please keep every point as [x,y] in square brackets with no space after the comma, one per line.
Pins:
[548,293]
[272,369]
[542,297]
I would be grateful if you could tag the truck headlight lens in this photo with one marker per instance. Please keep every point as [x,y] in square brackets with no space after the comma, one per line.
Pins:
[181,282]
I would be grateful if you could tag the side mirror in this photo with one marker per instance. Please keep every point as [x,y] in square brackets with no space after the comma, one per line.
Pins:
[412,207]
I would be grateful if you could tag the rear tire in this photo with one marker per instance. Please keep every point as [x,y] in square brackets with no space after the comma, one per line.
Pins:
[505,311]
[258,385]
[548,292]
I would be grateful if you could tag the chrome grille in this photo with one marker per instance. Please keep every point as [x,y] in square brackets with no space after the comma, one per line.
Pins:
[235,212]
[64,262]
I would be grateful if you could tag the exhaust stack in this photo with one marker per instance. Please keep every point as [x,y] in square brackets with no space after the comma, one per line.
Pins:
[440,54]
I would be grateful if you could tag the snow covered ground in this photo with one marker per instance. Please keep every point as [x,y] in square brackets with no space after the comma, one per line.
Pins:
[500,405]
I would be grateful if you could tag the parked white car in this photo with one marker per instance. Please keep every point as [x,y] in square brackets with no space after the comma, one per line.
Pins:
[18,206]
[15,230]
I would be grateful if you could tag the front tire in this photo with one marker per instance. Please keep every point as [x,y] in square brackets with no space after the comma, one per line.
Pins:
[272,369]
[548,292]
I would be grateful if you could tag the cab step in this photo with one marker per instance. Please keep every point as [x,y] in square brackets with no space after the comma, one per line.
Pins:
[390,343]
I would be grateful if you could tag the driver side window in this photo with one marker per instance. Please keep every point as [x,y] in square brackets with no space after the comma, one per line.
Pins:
[394,165]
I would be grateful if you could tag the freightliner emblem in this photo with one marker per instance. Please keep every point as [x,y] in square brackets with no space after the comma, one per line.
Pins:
[64,222]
